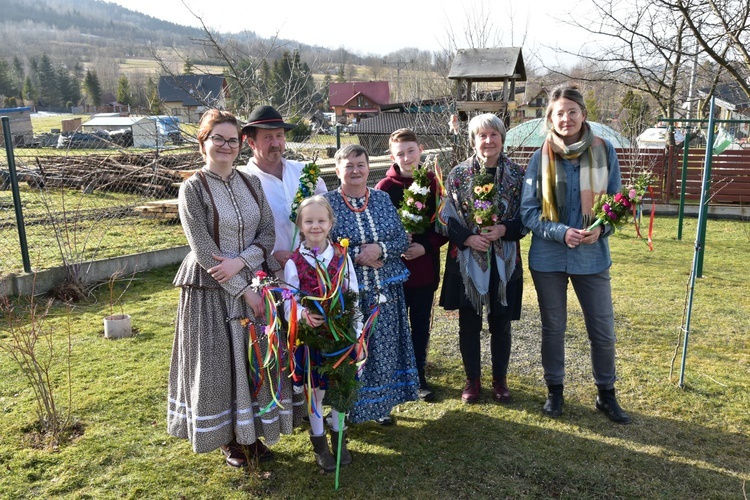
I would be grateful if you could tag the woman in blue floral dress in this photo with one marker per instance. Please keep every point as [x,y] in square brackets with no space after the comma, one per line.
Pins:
[377,239]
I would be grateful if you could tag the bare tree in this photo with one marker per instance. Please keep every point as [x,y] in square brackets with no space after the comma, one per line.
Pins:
[639,45]
[721,29]
[249,70]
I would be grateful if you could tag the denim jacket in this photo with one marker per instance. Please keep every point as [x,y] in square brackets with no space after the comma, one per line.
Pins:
[548,252]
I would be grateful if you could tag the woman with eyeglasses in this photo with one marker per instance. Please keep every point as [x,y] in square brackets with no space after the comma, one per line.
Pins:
[368,219]
[215,399]
[562,182]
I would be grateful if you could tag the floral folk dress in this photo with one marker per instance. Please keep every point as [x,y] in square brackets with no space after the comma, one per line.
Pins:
[389,376]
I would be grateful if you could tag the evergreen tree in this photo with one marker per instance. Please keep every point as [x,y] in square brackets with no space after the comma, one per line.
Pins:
[292,82]
[69,87]
[18,74]
[49,91]
[592,108]
[325,90]
[92,88]
[29,92]
[124,95]
[340,76]
[637,111]
[187,68]
[152,95]
[7,82]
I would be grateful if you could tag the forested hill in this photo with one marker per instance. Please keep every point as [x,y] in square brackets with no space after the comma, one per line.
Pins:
[74,29]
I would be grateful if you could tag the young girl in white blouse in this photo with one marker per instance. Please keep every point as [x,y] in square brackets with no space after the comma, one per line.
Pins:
[315,220]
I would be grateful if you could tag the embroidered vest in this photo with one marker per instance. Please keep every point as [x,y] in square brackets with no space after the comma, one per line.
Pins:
[308,277]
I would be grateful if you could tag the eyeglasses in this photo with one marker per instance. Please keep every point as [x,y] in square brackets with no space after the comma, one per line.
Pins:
[219,141]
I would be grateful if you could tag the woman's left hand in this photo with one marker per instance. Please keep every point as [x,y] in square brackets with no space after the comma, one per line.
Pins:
[369,255]
[494,233]
[227,268]
[590,237]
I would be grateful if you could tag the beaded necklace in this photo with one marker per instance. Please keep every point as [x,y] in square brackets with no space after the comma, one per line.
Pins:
[356,210]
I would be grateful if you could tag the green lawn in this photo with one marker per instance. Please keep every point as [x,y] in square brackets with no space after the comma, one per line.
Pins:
[683,443]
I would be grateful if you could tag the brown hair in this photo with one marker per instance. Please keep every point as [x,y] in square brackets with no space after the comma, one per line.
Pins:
[566,91]
[349,149]
[209,120]
[402,135]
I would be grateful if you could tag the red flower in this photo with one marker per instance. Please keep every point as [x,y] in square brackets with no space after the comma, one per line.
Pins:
[261,275]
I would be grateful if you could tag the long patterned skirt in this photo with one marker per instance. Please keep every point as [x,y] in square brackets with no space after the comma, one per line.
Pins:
[211,395]
[390,374]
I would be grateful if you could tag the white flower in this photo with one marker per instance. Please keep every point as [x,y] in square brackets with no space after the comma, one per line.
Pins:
[382,299]
[255,284]
[417,189]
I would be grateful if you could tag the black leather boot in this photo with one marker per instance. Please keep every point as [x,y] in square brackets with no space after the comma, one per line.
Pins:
[607,402]
[553,405]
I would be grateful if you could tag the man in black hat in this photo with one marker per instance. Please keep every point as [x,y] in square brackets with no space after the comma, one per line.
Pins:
[265,132]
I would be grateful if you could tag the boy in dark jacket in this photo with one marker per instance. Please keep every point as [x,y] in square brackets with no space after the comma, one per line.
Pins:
[422,258]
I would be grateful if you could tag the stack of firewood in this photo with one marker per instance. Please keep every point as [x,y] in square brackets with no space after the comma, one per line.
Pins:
[156,175]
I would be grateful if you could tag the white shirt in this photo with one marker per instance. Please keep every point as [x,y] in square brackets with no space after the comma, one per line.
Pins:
[280,195]
[291,276]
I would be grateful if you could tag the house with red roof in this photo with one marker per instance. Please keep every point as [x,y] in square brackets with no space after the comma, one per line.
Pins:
[354,101]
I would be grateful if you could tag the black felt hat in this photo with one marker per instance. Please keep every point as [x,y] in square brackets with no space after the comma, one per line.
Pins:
[266,117]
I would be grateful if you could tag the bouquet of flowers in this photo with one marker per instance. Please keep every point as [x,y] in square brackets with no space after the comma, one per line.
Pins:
[413,209]
[484,211]
[307,182]
[612,209]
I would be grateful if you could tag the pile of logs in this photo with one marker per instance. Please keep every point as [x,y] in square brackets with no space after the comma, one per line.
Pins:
[151,174]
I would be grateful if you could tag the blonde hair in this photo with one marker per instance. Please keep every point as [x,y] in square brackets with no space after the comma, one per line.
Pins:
[319,200]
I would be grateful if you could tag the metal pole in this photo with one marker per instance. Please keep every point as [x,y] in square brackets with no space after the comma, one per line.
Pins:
[338,136]
[683,184]
[698,250]
[16,194]
[705,190]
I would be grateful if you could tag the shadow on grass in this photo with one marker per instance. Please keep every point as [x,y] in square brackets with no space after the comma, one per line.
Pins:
[468,454]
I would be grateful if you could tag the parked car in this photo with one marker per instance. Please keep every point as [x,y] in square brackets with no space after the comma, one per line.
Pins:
[82,140]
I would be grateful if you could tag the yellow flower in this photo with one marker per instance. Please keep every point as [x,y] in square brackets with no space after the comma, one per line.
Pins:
[487,188]
[478,189]
[244,322]
[298,342]
[344,242]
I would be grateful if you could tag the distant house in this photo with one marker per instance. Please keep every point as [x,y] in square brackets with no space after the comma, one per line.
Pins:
[531,102]
[355,101]
[19,122]
[188,96]
[734,104]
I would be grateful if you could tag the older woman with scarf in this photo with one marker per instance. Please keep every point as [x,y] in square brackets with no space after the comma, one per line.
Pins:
[562,181]
[483,269]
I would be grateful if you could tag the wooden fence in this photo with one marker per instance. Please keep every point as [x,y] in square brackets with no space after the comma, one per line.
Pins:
[730,173]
